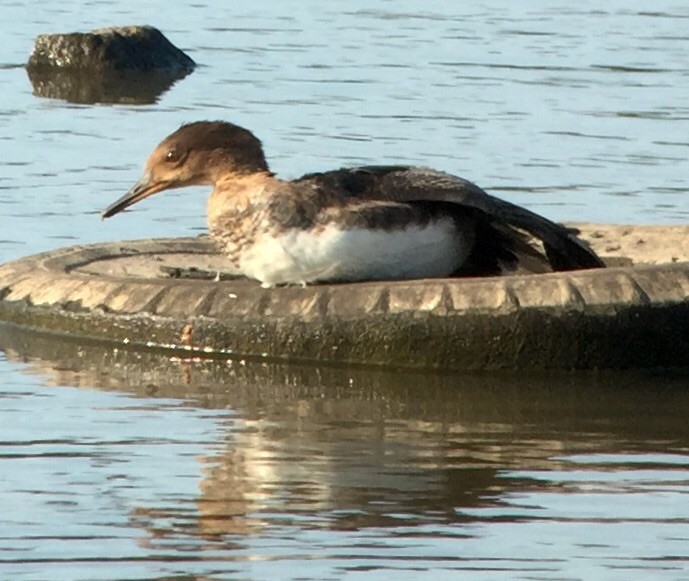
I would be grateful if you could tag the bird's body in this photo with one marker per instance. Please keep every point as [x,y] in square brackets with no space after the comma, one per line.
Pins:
[367,223]
[338,254]
[307,231]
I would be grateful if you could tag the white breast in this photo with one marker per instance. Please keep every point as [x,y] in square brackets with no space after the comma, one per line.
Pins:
[334,254]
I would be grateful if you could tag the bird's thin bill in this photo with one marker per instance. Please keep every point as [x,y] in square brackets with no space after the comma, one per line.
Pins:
[145,187]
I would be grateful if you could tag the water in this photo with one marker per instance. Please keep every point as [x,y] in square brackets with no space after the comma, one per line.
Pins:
[116,465]
[250,470]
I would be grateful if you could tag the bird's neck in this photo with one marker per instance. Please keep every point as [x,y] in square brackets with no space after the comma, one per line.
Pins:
[236,193]
[230,183]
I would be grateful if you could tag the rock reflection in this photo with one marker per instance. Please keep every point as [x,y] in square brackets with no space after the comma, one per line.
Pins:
[121,87]
[344,448]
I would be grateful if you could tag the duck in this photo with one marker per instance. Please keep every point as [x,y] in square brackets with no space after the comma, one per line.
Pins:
[376,222]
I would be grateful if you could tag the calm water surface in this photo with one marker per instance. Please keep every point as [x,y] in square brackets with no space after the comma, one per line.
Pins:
[117,465]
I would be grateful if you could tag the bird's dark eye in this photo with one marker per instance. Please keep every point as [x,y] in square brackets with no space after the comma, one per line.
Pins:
[172,156]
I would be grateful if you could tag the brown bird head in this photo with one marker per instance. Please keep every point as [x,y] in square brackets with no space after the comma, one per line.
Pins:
[196,154]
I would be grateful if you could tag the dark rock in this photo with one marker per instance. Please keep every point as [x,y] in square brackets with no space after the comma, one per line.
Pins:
[141,48]
[131,64]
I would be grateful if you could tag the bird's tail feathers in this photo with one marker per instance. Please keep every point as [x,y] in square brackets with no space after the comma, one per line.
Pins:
[564,250]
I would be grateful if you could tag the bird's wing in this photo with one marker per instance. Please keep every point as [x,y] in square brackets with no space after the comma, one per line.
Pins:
[422,185]
[396,183]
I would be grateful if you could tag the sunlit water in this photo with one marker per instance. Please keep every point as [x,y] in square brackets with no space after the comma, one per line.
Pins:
[122,466]
[249,470]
